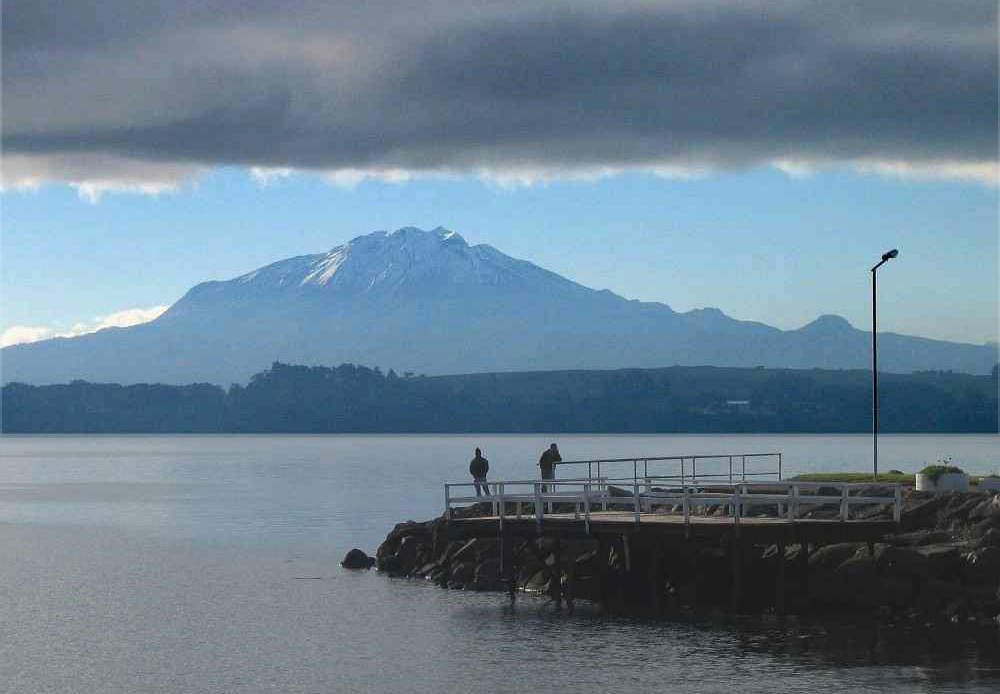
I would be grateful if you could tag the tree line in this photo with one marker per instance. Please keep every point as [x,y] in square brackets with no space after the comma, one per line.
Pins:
[349,398]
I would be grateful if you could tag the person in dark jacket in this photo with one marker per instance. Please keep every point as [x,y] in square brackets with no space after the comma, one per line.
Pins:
[478,468]
[548,464]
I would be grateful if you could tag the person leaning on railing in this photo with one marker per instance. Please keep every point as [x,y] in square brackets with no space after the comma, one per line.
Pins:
[550,456]
[478,468]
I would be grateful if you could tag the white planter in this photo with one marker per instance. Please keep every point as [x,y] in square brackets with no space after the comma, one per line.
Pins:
[948,482]
[989,484]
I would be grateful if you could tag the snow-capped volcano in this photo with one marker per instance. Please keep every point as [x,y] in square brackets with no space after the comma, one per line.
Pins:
[428,302]
[384,262]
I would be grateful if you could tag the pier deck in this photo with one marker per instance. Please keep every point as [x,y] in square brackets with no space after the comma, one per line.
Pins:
[756,530]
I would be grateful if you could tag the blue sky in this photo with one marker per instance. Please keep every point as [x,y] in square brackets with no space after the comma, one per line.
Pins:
[759,244]
[756,156]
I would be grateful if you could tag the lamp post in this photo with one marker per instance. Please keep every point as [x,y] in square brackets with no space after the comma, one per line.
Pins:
[885,258]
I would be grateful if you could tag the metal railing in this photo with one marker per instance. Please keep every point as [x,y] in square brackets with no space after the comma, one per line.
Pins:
[684,468]
[686,500]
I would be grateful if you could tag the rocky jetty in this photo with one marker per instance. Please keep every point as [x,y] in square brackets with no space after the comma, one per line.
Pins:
[942,562]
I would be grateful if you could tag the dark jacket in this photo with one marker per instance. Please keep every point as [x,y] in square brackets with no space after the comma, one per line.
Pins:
[549,459]
[479,466]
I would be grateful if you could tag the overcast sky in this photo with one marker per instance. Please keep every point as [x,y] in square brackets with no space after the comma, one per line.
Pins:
[696,153]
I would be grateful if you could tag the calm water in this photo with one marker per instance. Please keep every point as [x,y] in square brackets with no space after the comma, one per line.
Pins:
[210,564]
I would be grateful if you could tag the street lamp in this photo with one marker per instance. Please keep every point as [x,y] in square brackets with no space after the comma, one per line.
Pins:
[886,257]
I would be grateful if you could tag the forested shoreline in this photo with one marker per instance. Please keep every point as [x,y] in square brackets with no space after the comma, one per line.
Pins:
[357,399]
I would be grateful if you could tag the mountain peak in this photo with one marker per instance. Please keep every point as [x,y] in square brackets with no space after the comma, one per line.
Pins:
[829,323]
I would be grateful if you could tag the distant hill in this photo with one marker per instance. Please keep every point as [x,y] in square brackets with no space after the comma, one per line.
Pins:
[351,398]
[428,302]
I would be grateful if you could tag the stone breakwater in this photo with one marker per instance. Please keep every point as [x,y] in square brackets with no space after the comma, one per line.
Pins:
[942,562]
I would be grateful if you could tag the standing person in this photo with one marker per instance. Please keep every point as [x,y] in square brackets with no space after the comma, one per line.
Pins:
[550,456]
[478,468]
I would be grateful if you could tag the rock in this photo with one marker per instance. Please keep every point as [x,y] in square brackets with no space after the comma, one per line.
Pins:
[986,508]
[944,561]
[526,573]
[898,591]
[858,568]
[356,559]
[896,561]
[829,557]
[389,564]
[920,538]
[956,609]
[486,549]
[426,569]
[983,565]
[488,569]
[409,548]
[923,515]
[935,594]
[985,525]
[462,572]
[991,538]
[467,552]
[538,583]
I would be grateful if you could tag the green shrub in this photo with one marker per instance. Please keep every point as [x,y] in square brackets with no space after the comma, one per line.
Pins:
[935,471]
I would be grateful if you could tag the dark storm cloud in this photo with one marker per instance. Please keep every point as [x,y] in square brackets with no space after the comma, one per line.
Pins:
[500,86]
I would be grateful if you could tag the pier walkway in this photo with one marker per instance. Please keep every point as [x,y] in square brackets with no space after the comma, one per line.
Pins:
[671,506]
[722,498]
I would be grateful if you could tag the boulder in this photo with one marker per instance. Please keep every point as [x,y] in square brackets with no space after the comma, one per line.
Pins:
[924,511]
[983,565]
[538,583]
[389,564]
[829,557]
[987,508]
[919,538]
[427,569]
[991,538]
[860,569]
[409,549]
[897,561]
[356,559]
[943,561]
[985,525]
[934,594]
[486,549]
[462,573]
[467,552]
[488,569]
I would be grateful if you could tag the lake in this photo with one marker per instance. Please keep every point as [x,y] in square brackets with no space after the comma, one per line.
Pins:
[211,564]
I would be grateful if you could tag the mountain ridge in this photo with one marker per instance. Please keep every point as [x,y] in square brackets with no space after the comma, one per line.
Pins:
[428,302]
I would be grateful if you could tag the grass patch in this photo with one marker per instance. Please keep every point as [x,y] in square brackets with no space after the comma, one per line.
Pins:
[888,477]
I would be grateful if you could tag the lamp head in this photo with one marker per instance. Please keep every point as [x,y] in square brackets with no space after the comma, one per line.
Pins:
[891,254]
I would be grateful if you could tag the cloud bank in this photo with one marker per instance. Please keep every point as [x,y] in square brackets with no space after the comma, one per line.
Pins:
[118,95]
[18,334]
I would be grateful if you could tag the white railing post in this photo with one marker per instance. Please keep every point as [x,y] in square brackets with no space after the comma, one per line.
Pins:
[586,506]
[897,503]
[737,506]
[843,503]
[447,501]
[501,501]
[635,493]
[604,493]
[538,505]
